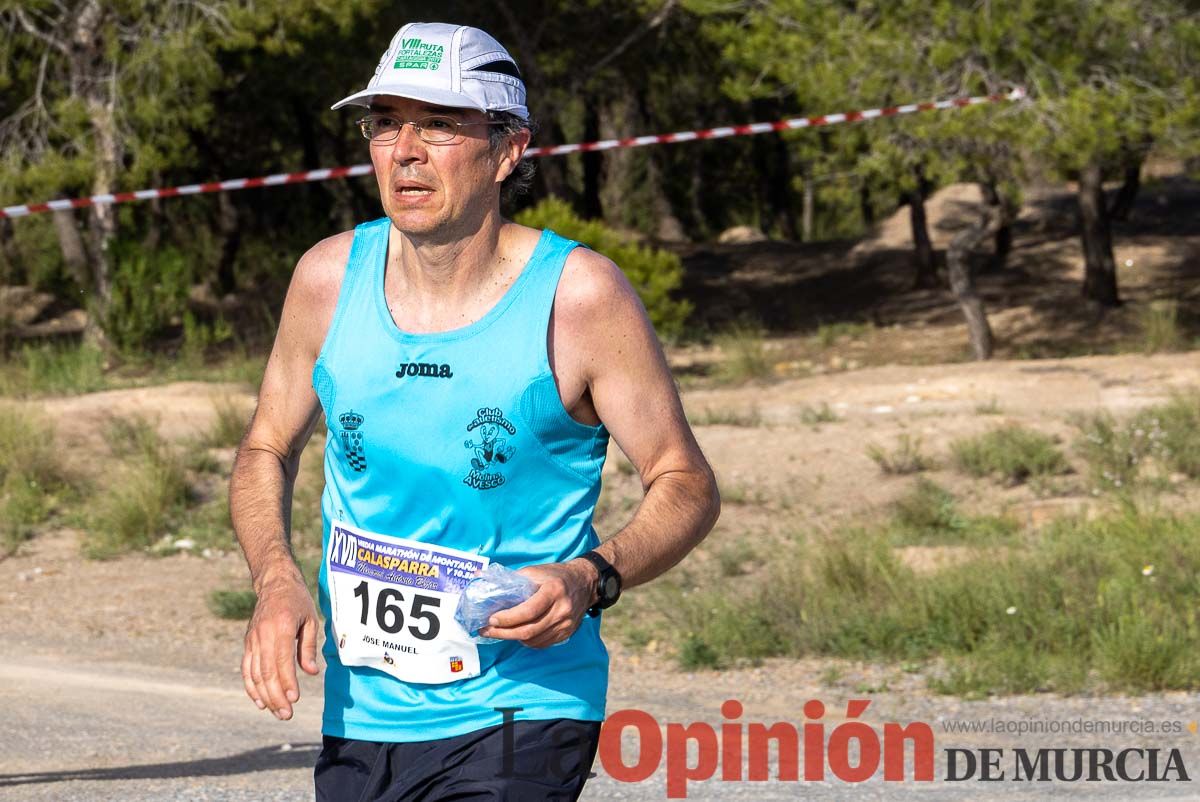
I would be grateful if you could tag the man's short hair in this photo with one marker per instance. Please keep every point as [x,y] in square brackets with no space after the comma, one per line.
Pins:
[521,177]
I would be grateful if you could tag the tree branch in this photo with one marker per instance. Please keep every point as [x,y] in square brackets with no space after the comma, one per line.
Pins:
[628,41]
[33,30]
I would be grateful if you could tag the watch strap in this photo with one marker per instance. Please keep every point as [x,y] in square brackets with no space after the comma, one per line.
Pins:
[605,569]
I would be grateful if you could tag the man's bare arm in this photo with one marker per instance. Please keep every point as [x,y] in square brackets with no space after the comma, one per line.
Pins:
[284,627]
[635,396]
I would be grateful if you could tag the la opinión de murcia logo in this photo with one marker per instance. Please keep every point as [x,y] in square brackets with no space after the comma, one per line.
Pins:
[699,751]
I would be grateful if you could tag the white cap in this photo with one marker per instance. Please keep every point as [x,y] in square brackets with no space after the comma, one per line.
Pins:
[450,65]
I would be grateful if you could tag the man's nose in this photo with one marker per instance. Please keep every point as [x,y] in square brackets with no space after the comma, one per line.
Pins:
[408,145]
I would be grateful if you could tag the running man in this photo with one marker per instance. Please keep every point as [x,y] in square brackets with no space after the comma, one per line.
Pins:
[470,372]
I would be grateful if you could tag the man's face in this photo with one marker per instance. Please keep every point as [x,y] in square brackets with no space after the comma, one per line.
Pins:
[437,189]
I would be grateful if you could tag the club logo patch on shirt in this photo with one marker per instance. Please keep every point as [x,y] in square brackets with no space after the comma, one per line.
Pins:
[456,664]
[492,450]
[352,440]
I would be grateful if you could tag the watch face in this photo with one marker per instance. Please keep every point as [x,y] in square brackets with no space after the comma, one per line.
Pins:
[610,587]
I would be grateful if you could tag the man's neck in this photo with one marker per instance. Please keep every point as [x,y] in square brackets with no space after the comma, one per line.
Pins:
[447,276]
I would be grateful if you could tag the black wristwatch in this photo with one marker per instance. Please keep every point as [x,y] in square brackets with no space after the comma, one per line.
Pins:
[609,586]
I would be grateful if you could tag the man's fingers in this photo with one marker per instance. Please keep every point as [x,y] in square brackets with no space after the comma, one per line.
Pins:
[531,609]
[282,679]
[260,686]
[266,673]
[247,678]
[308,646]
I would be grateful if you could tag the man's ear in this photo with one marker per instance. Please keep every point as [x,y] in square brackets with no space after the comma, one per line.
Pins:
[513,151]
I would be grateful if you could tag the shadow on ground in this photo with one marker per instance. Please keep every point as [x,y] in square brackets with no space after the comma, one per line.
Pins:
[265,759]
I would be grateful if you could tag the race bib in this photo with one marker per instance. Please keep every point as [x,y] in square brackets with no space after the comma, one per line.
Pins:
[393,601]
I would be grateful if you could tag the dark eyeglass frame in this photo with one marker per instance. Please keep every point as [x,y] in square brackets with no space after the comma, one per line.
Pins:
[432,136]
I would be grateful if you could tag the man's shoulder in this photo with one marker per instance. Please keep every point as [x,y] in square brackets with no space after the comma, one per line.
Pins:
[592,284]
[318,275]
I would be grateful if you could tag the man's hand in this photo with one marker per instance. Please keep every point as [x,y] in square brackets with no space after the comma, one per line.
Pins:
[282,631]
[552,614]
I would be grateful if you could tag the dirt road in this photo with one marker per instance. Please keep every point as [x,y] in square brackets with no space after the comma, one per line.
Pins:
[116,682]
[121,732]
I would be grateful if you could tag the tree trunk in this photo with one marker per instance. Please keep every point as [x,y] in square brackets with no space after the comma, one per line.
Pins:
[552,173]
[231,240]
[1122,203]
[103,217]
[8,256]
[961,272]
[700,219]
[70,242]
[1100,267]
[631,193]
[93,80]
[865,208]
[1006,210]
[593,162]
[923,261]
[806,213]
[780,187]
[667,226]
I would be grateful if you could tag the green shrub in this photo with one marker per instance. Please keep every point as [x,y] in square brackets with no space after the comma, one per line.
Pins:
[1110,599]
[149,295]
[929,514]
[52,369]
[905,458]
[144,500]
[990,407]
[1011,453]
[32,476]
[1112,451]
[230,422]
[1160,327]
[728,416]
[234,605]
[654,273]
[814,416]
[1178,421]
[743,354]
[829,333]
[928,507]
[1118,451]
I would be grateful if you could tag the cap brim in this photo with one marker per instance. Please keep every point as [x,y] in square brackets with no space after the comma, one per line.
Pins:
[441,97]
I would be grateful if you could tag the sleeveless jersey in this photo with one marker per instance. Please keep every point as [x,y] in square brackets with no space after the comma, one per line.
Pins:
[457,439]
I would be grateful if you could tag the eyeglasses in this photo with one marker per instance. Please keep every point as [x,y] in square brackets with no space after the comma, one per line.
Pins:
[436,129]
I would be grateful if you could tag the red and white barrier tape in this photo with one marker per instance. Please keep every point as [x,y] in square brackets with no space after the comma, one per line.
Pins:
[792,124]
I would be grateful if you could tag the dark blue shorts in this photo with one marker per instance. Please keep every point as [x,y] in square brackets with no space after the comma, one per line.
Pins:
[521,761]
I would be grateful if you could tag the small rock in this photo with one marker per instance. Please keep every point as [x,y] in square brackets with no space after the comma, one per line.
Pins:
[184,543]
[882,409]
[913,399]
[285,748]
[741,234]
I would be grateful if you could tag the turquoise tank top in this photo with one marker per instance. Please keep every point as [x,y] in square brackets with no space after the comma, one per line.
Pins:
[401,410]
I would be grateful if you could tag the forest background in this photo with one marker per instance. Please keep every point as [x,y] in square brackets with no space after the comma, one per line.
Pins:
[100,96]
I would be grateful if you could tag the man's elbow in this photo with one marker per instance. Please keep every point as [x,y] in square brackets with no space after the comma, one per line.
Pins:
[713,495]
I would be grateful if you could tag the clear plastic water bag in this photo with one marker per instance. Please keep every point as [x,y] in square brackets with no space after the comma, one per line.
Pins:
[496,588]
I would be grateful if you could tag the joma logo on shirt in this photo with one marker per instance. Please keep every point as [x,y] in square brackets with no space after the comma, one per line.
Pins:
[424,369]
